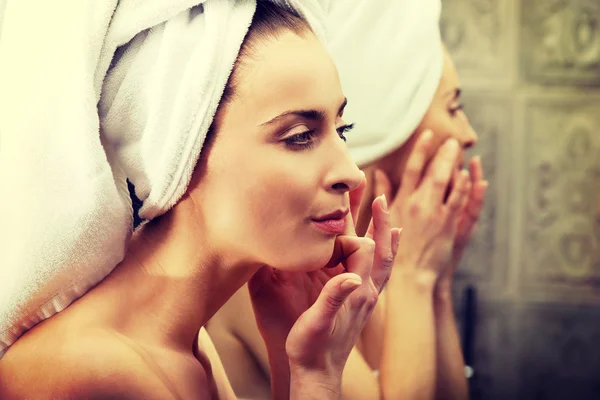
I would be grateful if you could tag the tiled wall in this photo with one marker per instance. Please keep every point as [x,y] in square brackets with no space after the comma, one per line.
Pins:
[530,70]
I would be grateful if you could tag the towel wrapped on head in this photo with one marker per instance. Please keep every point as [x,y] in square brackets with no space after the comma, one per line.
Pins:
[390,66]
[107,91]
[159,98]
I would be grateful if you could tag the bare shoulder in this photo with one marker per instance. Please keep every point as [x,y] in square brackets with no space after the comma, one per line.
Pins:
[95,366]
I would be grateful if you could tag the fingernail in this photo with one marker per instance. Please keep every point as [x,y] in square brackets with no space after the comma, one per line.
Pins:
[350,284]
[384,203]
[398,232]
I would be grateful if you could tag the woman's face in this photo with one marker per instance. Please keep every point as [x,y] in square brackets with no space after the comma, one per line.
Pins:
[444,117]
[279,162]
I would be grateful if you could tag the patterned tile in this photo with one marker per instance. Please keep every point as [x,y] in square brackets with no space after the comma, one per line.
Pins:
[561,41]
[561,224]
[474,32]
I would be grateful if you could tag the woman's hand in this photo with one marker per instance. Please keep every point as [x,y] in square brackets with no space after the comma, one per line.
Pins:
[279,297]
[429,205]
[467,221]
[310,321]
[324,335]
[430,221]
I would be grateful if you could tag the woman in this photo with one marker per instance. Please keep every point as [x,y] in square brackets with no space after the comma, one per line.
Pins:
[138,333]
[417,304]
[411,339]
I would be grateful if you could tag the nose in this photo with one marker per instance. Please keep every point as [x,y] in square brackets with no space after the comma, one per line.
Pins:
[469,137]
[343,174]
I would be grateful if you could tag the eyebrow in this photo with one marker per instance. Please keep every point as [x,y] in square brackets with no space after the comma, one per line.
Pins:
[313,115]
[456,93]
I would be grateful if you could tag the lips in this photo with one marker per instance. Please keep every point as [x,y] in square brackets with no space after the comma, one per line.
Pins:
[333,223]
[338,214]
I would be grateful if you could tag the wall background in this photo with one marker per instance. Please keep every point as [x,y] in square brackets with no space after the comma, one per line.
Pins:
[530,70]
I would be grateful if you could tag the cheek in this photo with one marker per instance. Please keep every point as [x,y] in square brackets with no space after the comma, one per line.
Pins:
[440,127]
[443,126]
[274,196]
[280,206]
[262,199]
[395,164]
[278,196]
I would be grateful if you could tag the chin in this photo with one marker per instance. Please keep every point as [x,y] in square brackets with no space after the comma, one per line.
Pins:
[307,258]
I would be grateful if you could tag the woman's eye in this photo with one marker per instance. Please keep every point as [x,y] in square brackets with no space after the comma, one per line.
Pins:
[344,129]
[456,109]
[301,140]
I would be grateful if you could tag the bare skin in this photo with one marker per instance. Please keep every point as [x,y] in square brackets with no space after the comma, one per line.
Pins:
[138,333]
[110,341]
[432,363]
[245,356]
[421,292]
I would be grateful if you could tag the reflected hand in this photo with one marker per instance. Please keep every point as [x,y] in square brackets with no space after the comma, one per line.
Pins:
[430,222]
[468,217]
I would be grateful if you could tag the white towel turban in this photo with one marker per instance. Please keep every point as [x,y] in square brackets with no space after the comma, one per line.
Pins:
[389,57]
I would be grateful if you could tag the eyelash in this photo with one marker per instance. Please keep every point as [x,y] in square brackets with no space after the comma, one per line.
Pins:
[304,140]
[301,141]
[344,129]
[456,109]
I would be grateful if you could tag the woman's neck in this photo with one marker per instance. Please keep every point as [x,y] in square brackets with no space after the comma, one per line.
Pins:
[172,280]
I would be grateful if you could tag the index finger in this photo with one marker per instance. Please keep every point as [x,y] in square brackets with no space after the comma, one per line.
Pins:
[416,164]
[356,254]
[440,170]
[355,200]
[382,235]
[476,169]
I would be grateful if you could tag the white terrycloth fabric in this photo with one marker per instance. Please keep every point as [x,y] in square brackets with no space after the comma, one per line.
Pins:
[159,99]
[66,212]
[389,58]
